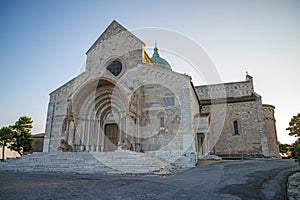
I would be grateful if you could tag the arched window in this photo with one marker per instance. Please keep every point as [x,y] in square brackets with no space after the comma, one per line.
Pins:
[236,127]
[161,122]
[161,117]
[115,67]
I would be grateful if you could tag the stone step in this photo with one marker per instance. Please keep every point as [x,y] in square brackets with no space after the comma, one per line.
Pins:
[119,162]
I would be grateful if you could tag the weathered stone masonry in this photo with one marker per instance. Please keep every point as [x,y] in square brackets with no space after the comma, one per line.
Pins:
[123,94]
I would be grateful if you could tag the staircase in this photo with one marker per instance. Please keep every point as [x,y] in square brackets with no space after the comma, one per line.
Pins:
[118,162]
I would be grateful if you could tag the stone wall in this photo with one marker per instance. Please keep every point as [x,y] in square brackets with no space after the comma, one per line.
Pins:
[247,141]
[8,153]
[56,114]
[270,125]
[226,90]
[237,126]
[37,142]
[114,42]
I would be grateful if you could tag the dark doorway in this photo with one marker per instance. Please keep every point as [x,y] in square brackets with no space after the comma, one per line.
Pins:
[111,137]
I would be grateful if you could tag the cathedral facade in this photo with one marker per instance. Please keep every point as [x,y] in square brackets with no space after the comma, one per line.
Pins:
[127,100]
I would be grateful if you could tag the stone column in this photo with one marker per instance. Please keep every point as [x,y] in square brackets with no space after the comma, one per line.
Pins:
[88,135]
[139,113]
[94,138]
[102,137]
[74,133]
[125,126]
[67,131]
[121,119]
[83,125]
[206,142]
[99,132]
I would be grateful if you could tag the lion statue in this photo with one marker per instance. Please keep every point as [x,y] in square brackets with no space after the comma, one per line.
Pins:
[64,146]
[126,144]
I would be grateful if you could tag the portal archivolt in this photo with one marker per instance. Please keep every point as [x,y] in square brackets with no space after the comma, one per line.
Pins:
[101,121]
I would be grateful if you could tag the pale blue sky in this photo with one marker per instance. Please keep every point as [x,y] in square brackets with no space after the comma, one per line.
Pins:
[43,45]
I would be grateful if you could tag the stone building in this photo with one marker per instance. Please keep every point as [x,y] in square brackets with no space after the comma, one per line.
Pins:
[248,127]
[124,96]
[37,142]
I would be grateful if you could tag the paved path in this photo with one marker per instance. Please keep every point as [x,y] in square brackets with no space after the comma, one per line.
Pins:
[263,179]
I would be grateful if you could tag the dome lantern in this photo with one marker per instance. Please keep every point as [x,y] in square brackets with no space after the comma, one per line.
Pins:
[158,61]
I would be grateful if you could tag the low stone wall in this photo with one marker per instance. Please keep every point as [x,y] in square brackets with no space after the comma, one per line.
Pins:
[180,159]
[293,187]
[240,155]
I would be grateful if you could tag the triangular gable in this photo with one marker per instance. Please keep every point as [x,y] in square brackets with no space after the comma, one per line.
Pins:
[113,29]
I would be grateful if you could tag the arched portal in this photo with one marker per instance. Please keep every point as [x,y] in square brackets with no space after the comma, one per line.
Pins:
[100,115]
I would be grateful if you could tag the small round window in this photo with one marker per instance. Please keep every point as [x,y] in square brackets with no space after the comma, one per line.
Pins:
[115,67]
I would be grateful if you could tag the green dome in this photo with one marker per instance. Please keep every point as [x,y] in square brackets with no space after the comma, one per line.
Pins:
[158,61]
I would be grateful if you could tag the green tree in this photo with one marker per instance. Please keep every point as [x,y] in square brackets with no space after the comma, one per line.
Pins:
[294,130]
[294,126]
[285,149]
[6,133]
[296,151]
[21,140]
